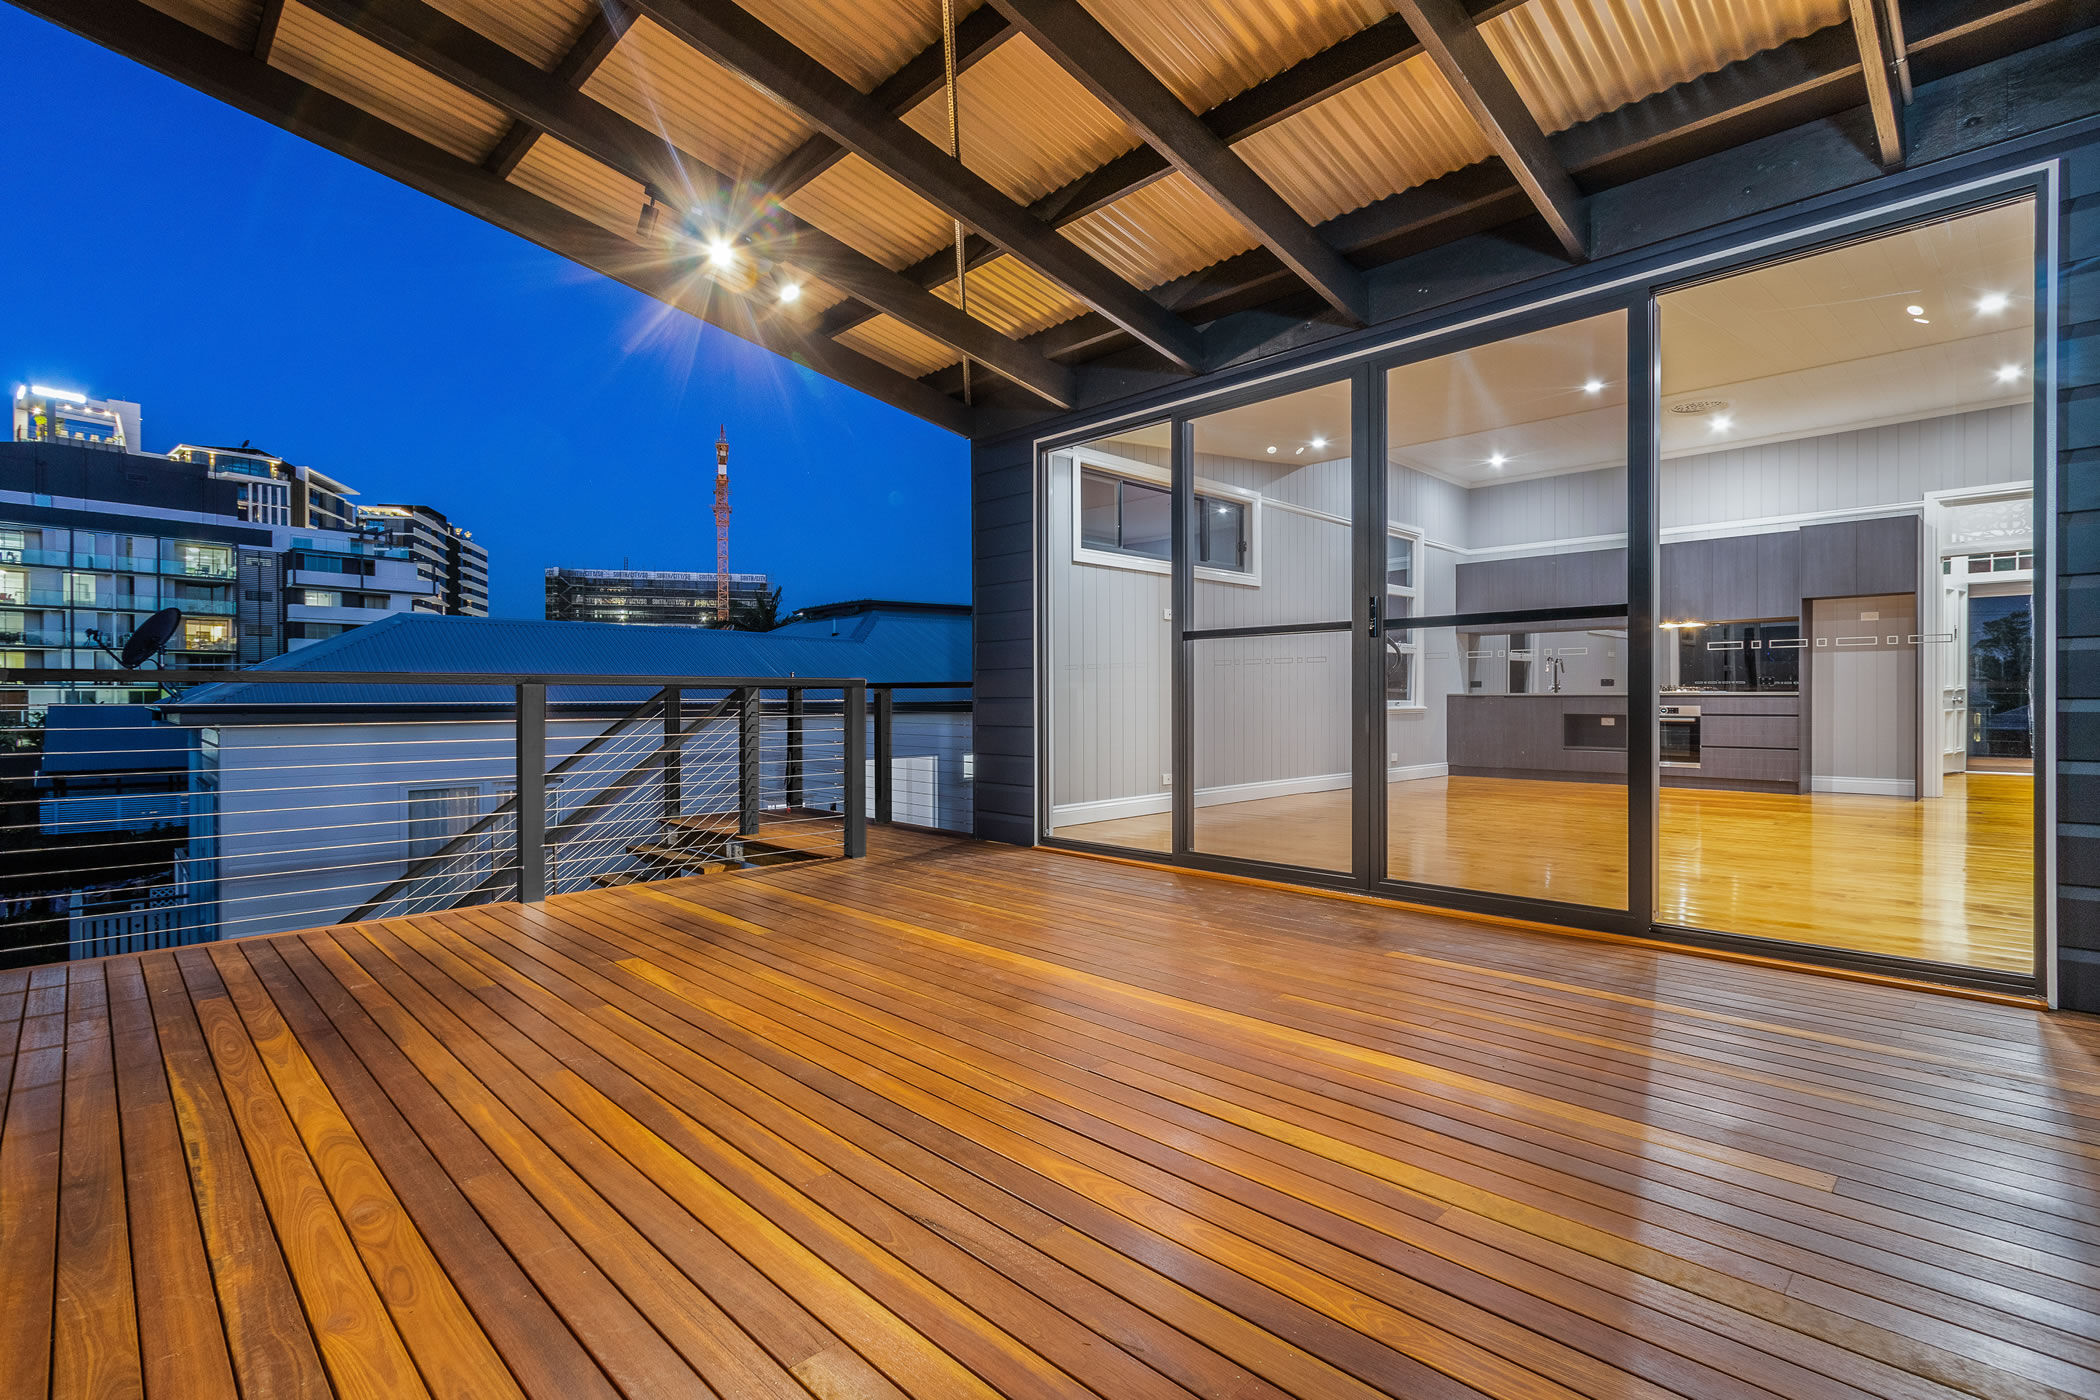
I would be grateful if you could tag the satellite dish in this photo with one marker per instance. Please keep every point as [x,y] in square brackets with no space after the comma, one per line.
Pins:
[150,638]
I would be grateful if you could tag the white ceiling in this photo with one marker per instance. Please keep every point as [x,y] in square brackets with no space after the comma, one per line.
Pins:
[1815,345]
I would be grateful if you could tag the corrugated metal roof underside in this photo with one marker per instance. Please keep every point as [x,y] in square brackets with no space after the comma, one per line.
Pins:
[858,203]
[1394,130]
[539,31]
[1027,125]
[900,347]
[319,51]
[863,41]
[652,78]
[1576,59]
[1208,50]
[229,21]
[1013,298]
[557,171]
[1156,234]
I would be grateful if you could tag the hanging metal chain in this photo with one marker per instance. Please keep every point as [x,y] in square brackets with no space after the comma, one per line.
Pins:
[962,291]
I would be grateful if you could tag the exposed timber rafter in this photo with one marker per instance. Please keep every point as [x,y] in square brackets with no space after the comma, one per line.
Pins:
[740,43]
[146,35]
[977,37]
[1084,48]
[1807,79]
[1310,81]
[546,102]
[610,20]
[1877,63]
[1452,40]
[266,29]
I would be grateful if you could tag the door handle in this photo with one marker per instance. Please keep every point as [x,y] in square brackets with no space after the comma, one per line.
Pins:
[1373,611]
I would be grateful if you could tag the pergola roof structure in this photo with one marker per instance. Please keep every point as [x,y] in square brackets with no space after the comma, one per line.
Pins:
[1131,170]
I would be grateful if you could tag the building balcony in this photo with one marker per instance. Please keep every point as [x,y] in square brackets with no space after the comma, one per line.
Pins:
[191,570]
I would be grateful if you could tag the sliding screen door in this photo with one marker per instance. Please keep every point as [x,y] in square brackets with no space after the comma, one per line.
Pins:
[1507,717]
[1270,505]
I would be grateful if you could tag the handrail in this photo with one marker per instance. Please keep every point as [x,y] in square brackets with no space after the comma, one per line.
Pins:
[32,675]
[481,827]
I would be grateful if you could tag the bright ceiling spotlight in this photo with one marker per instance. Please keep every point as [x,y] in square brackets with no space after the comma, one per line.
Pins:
[1272,449]
[1722,422]
[1592,386]
[2008,374]
[790,291]
[1991,303]
[1496,459]
[719,253]
[1319,442]
[1914,311]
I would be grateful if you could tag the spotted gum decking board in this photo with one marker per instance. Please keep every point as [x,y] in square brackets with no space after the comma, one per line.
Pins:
[965,1120]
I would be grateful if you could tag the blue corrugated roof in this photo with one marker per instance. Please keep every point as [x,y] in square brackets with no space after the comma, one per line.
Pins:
[896,643]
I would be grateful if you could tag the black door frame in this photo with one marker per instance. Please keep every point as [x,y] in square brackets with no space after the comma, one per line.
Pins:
[1712,254]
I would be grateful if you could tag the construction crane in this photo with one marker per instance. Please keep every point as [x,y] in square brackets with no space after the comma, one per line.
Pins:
[722,528]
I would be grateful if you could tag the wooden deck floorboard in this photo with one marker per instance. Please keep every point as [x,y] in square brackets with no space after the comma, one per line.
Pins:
[963,1120]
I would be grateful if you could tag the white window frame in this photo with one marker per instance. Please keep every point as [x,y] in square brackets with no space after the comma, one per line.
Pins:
[1413,645]
[1084,457]
[412,793]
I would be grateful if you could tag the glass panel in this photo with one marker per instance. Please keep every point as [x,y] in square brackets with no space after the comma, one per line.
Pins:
[1847,493]
[1506,490]
[1500,750]
[1111,678]
[1285,462]
[1270,723]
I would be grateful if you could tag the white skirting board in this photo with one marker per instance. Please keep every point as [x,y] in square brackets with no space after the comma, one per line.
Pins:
[1154,803]
[1866,787]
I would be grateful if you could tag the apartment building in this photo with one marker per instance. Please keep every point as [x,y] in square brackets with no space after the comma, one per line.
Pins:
[663,597]
[447,556]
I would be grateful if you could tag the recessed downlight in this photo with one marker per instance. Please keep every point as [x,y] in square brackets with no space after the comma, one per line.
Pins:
[1496,459]
[1272,449]
[790,291]
[1914,311]
[1722,422]
[1991,303]
[1593,386]
[719,253]
[2008,374]
[1319,442]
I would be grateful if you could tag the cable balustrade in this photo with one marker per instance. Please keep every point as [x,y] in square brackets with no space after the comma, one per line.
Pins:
[207,804]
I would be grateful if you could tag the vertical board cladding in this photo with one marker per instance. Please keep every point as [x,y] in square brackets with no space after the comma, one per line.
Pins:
[1002,595]
[2078,584]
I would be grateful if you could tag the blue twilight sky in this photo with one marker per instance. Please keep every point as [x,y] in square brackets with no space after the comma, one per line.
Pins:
[243,284]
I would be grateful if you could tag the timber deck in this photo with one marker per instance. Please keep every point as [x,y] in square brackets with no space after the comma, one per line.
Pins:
[963,1120]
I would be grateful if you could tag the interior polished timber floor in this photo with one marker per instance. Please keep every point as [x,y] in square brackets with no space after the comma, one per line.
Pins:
[964,1120]
[1947,880]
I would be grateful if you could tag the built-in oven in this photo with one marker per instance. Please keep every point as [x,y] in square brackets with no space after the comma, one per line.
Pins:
[1680,737]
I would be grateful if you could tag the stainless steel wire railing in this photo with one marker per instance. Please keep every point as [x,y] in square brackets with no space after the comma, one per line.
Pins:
[264,801]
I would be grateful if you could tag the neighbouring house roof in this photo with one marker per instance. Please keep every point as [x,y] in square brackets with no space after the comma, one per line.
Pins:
[111,741]
[884,643]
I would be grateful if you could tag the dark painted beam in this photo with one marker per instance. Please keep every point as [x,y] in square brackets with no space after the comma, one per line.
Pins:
[1805,80]
[980,33]
[609,22]
[740,43]
[1084,48]
[1453,43]
[1877,63]
[547,102]
[266,29]
[1364,54]
[144,34]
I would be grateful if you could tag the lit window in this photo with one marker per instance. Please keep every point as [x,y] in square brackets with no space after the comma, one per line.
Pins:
[1122,516]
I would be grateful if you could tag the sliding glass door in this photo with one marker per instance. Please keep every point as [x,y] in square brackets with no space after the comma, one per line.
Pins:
[1505,706]
[1714,607]
[1266,567]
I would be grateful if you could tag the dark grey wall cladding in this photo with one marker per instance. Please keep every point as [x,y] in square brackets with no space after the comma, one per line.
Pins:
[1002,519]
[1002,475]
[2078,573]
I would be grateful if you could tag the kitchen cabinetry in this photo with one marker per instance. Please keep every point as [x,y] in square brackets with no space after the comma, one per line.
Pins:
[1858,558]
